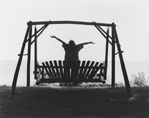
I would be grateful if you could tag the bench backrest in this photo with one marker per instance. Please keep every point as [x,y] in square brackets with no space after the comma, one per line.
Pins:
[70,71]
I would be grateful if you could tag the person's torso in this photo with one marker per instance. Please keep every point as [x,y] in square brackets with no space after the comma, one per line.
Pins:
[72,54]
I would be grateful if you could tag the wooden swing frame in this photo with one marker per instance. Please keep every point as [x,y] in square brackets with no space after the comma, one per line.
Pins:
[29,39]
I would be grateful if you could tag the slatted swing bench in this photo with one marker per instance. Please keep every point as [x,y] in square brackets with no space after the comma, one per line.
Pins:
[58,71]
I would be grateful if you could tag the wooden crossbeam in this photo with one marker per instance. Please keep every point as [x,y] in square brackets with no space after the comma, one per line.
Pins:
[118,52]
[68,80]
[22,54]
[89,67]
[69,22]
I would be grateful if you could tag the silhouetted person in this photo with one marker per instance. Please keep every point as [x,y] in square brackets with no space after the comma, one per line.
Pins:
[71,49]
[71,53]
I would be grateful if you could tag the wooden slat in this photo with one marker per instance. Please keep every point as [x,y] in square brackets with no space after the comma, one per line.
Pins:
[46,70]
[40,66]
[89,70]
[101,73]
[81,70]
[92,71]
[57,69]
[52,69]
[85,69]
[96,70]
[64,65]
[61,70]
[49,68]
[76,70]
[42,72]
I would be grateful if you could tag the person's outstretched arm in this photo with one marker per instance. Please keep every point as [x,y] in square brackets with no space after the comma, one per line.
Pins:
[58,39]
[86,43]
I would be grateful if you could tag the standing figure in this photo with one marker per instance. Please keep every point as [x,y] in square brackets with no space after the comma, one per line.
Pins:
[71,49]
[71,53]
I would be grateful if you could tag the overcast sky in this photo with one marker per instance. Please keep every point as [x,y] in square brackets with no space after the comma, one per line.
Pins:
[130,16]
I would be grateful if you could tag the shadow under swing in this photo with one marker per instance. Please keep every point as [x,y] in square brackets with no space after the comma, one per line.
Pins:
[83,71]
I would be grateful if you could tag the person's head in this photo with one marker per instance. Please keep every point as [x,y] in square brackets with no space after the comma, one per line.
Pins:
[71,44]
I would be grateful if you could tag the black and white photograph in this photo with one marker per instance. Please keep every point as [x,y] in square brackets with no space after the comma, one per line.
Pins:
[74,58]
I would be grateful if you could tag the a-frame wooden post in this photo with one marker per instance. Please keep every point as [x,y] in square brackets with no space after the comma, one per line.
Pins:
[35,54]
[113,58]
[128,89]
[29,56]
[19,64]
[106,55]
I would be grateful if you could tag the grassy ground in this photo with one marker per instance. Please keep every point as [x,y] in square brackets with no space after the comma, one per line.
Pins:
[42,102]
